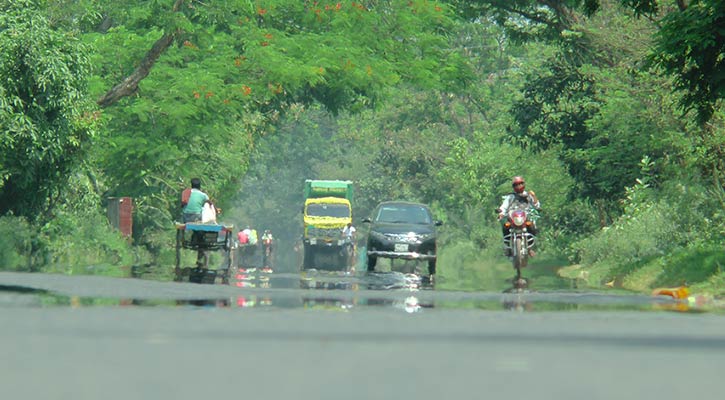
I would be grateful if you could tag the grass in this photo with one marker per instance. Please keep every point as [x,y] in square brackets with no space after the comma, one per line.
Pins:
[700,268]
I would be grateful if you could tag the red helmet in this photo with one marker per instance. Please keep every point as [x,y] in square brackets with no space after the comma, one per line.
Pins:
[518,184]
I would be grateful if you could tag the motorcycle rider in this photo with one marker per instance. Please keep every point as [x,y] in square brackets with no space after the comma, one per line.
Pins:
[267,242]
[512,200]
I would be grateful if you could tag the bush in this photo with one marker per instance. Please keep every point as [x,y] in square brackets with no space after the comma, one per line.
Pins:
[86,244]
[16,248]
[675,225]
[694,264]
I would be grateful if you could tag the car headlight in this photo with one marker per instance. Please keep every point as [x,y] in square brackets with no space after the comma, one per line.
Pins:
[424,236]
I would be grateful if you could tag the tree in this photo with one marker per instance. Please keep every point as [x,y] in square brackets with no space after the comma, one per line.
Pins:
[526,20]
[231,71]
[45,117]
[690,46]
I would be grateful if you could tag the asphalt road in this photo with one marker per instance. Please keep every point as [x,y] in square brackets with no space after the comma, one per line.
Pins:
[343,352]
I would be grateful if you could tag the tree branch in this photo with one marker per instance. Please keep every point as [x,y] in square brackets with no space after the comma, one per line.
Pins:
[129,85]
[536,17]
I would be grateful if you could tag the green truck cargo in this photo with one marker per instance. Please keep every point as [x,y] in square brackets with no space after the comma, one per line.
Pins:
[327,210]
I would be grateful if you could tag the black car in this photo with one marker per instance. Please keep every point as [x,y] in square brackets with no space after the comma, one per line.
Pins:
[402,229]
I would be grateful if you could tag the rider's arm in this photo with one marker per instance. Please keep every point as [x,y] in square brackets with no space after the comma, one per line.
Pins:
[504,206]
[534,200]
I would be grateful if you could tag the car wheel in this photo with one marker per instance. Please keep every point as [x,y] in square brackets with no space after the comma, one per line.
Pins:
[307,257]
[431,266]
[372,260]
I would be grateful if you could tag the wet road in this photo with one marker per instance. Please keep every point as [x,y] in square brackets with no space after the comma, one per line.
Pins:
[322,336]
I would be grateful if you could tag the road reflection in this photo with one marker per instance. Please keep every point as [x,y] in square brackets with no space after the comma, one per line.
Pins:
[411,293]
[408,292]
[318,290]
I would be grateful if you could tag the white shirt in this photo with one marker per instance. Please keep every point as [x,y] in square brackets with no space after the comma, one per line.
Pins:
[348,232]
[510,199]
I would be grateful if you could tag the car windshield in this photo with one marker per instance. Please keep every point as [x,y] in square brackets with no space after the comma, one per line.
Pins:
[328,210]
[403,214]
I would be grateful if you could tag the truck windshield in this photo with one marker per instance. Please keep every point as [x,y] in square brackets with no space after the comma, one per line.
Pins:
[328,210]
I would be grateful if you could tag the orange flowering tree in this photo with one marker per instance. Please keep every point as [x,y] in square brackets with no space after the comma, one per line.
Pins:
[187,86]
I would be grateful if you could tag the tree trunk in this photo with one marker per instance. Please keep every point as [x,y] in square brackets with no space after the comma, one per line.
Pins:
[129,85]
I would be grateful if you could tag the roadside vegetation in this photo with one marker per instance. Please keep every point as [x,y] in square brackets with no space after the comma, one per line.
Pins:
[611,110]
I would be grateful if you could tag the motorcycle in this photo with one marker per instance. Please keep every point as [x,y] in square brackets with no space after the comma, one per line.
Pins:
[519,239]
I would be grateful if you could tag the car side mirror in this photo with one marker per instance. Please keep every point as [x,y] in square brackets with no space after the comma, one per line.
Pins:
[366,220]
[438,223]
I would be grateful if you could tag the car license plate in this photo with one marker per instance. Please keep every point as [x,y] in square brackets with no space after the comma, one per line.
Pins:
[401,247]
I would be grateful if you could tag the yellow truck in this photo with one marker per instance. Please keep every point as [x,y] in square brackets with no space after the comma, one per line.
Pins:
[327,210]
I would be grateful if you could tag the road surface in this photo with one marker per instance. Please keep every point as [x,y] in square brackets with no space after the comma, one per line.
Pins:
[185,341]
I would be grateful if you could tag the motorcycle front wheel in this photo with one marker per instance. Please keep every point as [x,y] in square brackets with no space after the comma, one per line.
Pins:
[372,261]
[520,258]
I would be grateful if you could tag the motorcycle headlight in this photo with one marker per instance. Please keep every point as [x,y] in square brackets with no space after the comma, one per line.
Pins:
[519,220]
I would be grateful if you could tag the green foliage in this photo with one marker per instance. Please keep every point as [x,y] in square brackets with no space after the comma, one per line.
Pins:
[558,100]
[691,265]
[16,249]
[628,127]
[605,120]
[478,173]
[404,146]
[629,244]
[44,113]
[233,70]
[84,244]
[528,20]
[407,99]
[80,239]
[655,223]
[689,46]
